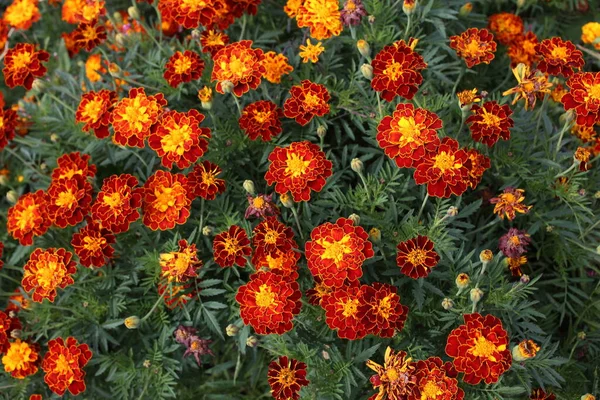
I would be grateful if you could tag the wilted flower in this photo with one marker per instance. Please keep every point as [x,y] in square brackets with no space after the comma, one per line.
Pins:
[530,85]
[261,206]
[352,12]
[509,203]
[524,350]
[514,243]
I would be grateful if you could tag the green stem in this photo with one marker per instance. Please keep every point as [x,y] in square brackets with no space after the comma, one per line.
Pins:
[566,171]
[145,317]
[407,30]
[237,103]
[460,76]
[422,206]
[295,212]
[62,103]
[244,20]
[200,226]
[560,138]
[379,106]
[364,182]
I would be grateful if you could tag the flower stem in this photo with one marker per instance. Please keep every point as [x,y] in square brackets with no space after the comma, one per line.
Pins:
[422,206]
[379,106]
[162,296]
[560,138]
[295,212]
[237,103]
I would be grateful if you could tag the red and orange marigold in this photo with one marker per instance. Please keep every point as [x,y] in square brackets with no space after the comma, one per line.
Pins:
[165,200]
[298,169]
[337,251]
[94,111]
[21,359]
[509,203]
[284,263]
[133,117]
[276,65]
[183,67]
[69,200]
[308,100]
[72,164]
[506,26]
[8,123]
[46,271]
[29,217]
[269,302]
[479,349]
[445,171]
[239,64]
[212,41]
[22,64]
[261,119]
[395,379]
[559,57]
[92,244]
[397,70]
[8,323]
[490,122]
[540,394]
[323,17]
[342,313]
[381,311]
[270,236]
[409,134]
[88,35]
[436,380]
[203,181]
[180,265]
[117,203]
[63,365]
[584,97]
[476,164]
[178,138]
[416,257]
[286,377]
[522,50]
[189,14]
[475,46]
[21,14]
[231,247]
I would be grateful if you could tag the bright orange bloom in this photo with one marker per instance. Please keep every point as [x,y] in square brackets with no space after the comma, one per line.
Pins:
[291,7]
[311,52]
[69,200]
[341,307]
[409,134]
[29,217]
[92,244]
[436,380]
[509,203]
[299,169]
[395,379]
[4,29]
[590,33]
[276,65]
[318,291]
[506,26]
[35,397]
[180,265]
[22,64]
[46,271]
[89,35]
[490,122]
[416,257]
[397,70]
[271,236]
[21,14]
[189,14]
[585,133]
[133,117]
[445,172]
[475,46]
[203,181]
[382,313]
[559,57]
[261,118]
[269,302]
[479,348]
[94,111]
[284,263]
[307,100]
[8,324]
[117,203]
[476,164]
[93,68]
[16,303]
[323,17]
[584,97]
[72,164]
[63,365]
[239,64]
[21,359]
[8,123]
[337,251]
[81,11]
[212,41]
[522,50]
[231,247]
[178,138]
[165,201]
[183,67]
[582,156]
[286,377]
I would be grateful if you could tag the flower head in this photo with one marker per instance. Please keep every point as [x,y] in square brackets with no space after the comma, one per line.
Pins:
[63,365]
[212,41]
[509,203]
[585,133]
[286,377]
[530,85]
[275,66]
[522,50]
[582,156]
[22,64]
[116,206]
[69,200]
[476,164]
[89,35]
[323,17]
[475,46]
[21,359]
[29,217]
[183,67]
[559,57]
[395,379]
[540,394]
[590,33]
[353,12]
[231,247]
[311,52]
[78,11]
[8,123]
[281,262]
[341,305]
[46,271]
[203,181]
[490,122]
[524,350]
[165,200]
[416,257]
[307,100]
[436,380]
[9,322]
[261,119]
[92,244]
[514,243]
[198,347]
[239,64]
[93,68]
[21,14]
[506,26]
[73,164]
[468,97]
[261,206]
[584,97]
[514,265]
[271,236]
[189,14]
[94,111]
[381,310]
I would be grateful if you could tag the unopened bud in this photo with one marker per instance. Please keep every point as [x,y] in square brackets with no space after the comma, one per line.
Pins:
[227,86]
[524,279]
[597,195]
[475,295]
[367,71]
[16,333]
[357,165]
[54,138]
[12,196]
[195,34]
[20,178]
[363,48]
[588,396]
[375,235]
[321,131]
[286,200]
[249,187]
[486,256]
[520,3]
[43,166]
[147,363]
[252,341]
[525,350]
[371,19]
[38,85]
[355,218]
[452,211]
[133,12]
[208,230]
[120,40]
[447,304]
[232,330]
[465,9]
[3,180]
[325,355]
[462,281]
[581,335]
[205,97]
[409,6]
[118,17]
[132,322]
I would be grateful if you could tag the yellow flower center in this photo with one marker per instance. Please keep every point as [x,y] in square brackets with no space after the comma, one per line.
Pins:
[136,114]
[286,377]
[93,244]
[431,391]
[417,257]
[271,236]
[208,178]
[258,202]
[261,117]
[485,349]
[165,198]
[473,48]
[508,198]
[114,200]
[237,66]
[594,92]
[445,162]
[66,199]
[393,71]
[515,240]
[559,52]
[92,110]
[350,308]
[265,297]
[63,366]
[182,65]
[20,12]
[312,101]
[335,250]
[490,119]
[274,262]
[22,60]
[231,245]
[175,140]
[193,5]
[27,217]
[17,355]
[89,33]
[50,274]
[214,39]
[392,374]
[409,131]
[295,165]
[350,5]
[384,307]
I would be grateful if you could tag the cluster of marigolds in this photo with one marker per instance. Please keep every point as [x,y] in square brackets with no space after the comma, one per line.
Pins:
[480,348]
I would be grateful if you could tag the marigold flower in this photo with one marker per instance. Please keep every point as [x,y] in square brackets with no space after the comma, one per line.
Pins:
[509,203]
[531,84]
[416,257]
[29,217]
[299,169]
[239,64]
[284,263]
[479,349]
[198,347]
[409,135]
[8,123]
[584,97]
[46,271]
[353,12]
[514,243]
[522,50]
[396,378]
[291,7]
[559,57]
[540,394]
[261,206]
[183,67]
[323,17]
[69,200]
[468,97]
[585,133]
[94,111]
[269,302]
[231,247]
[475,46]
[381,311]
[341,307]
[117,203]
[180,265]
[476,164]
[212,41]
[21,14]
[506,26]
[590,33]
[271,236]
[307,100]
[203,181]
[63,365]
[524,350]
[165,200]
[205,95]
[133,117]
[275,65]
[337,251]
[514,265]
[286,377]
[397,70]
[189,14]
[73,164]
[8,324]
[21,359]
[558,92]
[311,52]
[93,68]
[261,118]
[490,122]
[78,11]
[92,244]
[318,291]
[22,64]
[436,380]
[89,35]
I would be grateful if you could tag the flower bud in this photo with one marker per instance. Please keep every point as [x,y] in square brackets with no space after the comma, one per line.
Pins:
[409,6]
[286,200]
[367,71]
[447,304]
[208,230]
[581,335]
[588,396]
[597,195]
[355,218]
[195,34]
[475,295]
[120,40]
[462,281]
[132,322]
[371,19]
[357,165]
[452,211]
[3,180]
[486,256]
[118,17]
[375,235]
[43,166]
[205,97]
[363,48]
[232,330]
[12,196]
[465,9]
[520,3]
[54,138]
[249,187]
[20,178]
[252,341]
[133,12]
[325,355]
[16,333]
[525,350]
[227,86]
[147,363]
[524,279]
[321,131]
[38,85]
